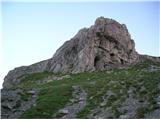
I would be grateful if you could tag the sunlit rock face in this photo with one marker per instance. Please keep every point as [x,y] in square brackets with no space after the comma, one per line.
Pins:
[104,45]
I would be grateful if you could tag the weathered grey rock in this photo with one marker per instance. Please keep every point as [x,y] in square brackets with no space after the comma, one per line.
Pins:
[64,111]
[101,113]
[124,116]
[93,82]
[16,75]
[158,99]
[153,115]
[12,103]
[32,92]
[104,45]
[150,58]
[153,68]
[103,103]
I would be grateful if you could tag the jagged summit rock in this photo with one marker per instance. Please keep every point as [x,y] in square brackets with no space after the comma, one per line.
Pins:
[106,44]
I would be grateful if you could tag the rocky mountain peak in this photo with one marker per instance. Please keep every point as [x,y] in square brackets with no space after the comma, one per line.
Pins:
[106,44]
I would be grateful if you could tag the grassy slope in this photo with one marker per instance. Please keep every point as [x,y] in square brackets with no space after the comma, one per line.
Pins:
[54,95]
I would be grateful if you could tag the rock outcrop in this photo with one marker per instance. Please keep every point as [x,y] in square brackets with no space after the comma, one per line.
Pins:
[15,102]
[106,44]
[15,76]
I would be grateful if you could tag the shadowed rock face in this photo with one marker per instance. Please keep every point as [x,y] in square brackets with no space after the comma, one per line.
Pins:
[106,44]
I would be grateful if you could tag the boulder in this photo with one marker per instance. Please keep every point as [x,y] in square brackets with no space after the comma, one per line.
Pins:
[63,111]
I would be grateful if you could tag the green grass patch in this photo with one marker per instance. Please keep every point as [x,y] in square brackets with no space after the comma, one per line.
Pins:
[55,95]
[49,102]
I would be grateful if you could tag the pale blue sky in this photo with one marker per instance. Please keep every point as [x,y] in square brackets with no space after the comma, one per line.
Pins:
[32,32]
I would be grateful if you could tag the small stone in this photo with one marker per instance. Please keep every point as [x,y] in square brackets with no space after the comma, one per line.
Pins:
[93,82]
[34,104]
[72,100]
[81,99]
[91,98]
[124,117]
[81,102]
[130,91]
[103,104]
[66,76]
[64,111]
[31,92]
[74,87]
[49,81]
[158,103]
[158,99]
[9,106]
[34,96]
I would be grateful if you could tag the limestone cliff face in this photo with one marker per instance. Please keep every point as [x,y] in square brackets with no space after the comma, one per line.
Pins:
[106,44]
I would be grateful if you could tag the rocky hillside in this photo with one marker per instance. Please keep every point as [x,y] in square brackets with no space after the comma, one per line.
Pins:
[132,92]
[96,74]
[107,44]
